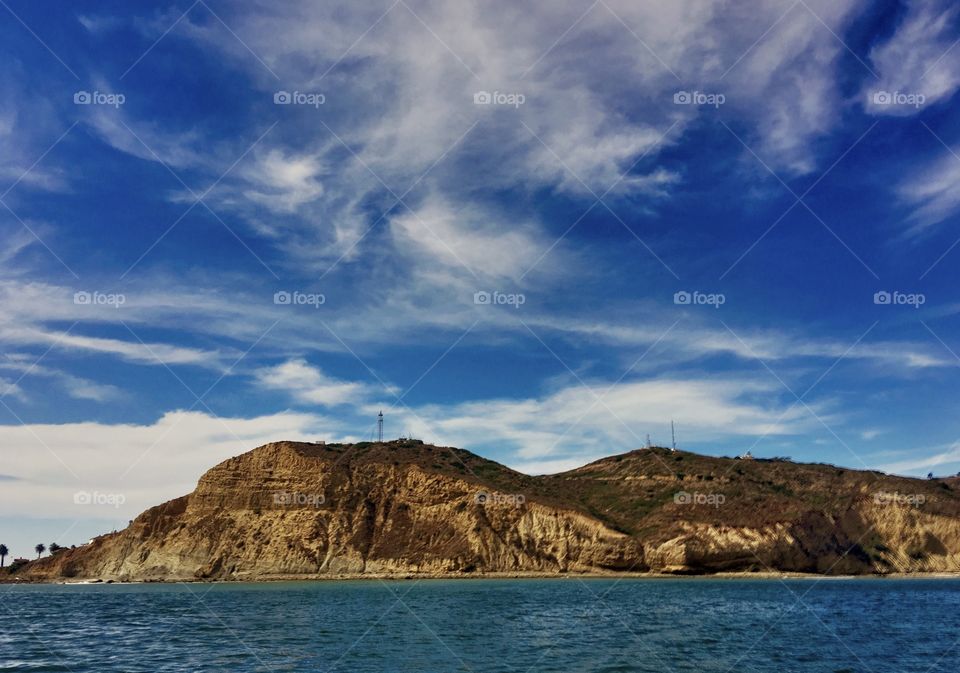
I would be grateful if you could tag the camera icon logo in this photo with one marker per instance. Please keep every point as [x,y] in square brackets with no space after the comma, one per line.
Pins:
[82,498]
[481,298]
[481,498]
[882,298]
[682,98]
[282,98]
[482,98]
[82,98]
[682,298]
[282,298]
[82,298]
[682,498]
[882,98]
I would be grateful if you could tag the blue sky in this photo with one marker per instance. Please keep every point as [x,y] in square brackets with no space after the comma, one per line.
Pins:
[169,171]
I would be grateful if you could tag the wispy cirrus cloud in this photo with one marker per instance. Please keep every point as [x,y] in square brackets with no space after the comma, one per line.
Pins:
[400,106]
[435,305]
[76,387]
[49,316]
[130,350]
[918,58]
[933,191]
[924,459]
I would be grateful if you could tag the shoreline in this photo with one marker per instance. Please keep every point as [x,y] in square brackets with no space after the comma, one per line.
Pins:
[395,577]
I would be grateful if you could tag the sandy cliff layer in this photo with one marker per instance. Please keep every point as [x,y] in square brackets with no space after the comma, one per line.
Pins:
[400,508]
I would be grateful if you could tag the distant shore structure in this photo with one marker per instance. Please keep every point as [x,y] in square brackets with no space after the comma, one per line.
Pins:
[380,426]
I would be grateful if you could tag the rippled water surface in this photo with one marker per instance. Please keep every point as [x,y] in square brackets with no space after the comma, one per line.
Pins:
[566,625]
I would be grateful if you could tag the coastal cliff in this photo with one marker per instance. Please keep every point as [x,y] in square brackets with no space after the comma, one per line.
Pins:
[405,508]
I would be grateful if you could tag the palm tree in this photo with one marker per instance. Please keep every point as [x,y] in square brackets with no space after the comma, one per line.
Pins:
[3,553]
[54,547]
[40,548]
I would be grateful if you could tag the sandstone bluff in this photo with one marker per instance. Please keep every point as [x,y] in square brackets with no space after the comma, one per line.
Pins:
[404,508]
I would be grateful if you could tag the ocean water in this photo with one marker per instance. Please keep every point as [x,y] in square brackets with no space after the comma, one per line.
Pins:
[504,626]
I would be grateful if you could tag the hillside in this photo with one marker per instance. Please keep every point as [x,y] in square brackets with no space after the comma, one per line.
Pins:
[770,514]
[407,508]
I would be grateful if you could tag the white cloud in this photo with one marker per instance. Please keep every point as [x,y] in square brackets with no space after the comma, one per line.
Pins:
[945,455]
[24,137]
[434,304]
[310,385]
[10,388]
[691,340]
[13,243]
[75,386]
[918,58]
[547,466]
[933,191]
[131,351]
[31,307]
[145,140]
[570,426]
[146,464]
[85,389]
[99,24]
[285,182]
[470,240]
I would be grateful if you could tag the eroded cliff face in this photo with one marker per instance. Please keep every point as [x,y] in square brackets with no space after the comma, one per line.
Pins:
[700,514]
[279,512]
[870,539]
[404,508]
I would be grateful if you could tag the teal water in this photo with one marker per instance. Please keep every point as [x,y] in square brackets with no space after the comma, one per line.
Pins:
[567,625]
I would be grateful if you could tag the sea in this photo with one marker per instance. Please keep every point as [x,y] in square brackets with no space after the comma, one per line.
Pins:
[565,625]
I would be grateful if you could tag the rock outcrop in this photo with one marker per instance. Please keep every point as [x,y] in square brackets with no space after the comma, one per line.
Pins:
[287,510]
